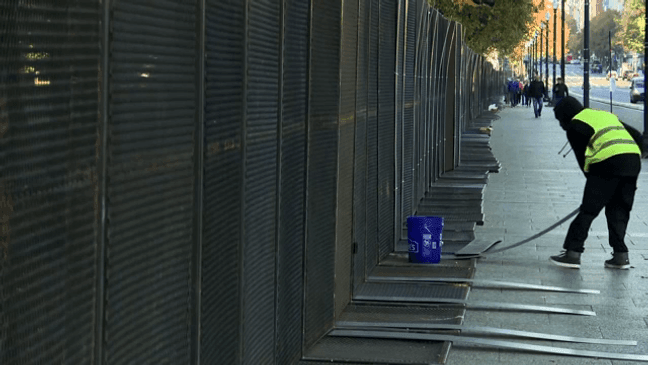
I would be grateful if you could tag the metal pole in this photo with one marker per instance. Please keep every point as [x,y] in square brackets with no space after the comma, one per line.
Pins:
[540,51]
[645,79]
[102,171]
[610,46]
[535,57]
[586,57]
[547,60]
[199,171]
[554,48]
[530,60]
[562,50]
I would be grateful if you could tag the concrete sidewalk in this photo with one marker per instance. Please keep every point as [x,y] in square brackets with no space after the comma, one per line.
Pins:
[535,188]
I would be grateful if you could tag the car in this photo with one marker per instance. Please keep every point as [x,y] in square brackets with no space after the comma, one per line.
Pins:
[628,75]
[597,67]
[575,61]
[632,75]
[637,90]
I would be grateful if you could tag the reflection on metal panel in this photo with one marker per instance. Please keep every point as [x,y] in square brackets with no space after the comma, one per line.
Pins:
[150,211]
[293,168]
[224,32]
[261,150]
[49,183]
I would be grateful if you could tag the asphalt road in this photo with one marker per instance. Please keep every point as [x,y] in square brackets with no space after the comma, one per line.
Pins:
[632,114]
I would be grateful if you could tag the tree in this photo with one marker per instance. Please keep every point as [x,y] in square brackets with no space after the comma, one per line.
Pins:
[633,25]
[575,39]
[502,27]
[600,28]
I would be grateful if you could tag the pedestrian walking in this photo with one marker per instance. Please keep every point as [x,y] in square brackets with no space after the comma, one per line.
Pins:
[513,86]
[609,154]
[559,91]
[525,93]
[537,91]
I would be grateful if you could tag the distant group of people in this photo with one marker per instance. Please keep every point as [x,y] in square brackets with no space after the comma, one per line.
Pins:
[523,92]
[515,92]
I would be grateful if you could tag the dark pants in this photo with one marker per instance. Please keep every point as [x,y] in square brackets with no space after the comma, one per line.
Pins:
[537,106]
[616,194]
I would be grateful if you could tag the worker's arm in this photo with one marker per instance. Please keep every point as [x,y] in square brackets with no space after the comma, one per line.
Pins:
[636,135]
[579,135]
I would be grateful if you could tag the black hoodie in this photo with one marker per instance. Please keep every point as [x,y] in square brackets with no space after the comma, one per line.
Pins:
[579,134]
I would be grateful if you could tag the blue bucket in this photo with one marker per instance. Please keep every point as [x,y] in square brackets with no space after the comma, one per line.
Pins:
[424,236]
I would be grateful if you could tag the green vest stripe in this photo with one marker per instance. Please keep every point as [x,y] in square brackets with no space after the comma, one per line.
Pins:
[610,137]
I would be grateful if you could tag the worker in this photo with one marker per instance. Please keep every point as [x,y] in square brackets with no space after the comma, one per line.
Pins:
[609,154]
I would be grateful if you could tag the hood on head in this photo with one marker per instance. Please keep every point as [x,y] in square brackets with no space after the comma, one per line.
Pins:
[566,110]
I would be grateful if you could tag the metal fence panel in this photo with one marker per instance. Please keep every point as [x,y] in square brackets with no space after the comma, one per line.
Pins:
[401,24]
[320,125]
[371,249]
[49,211]
[360,182]
[224,70]
[151,174]
[292,212]
[322,169]
[407,187]
[344,216]
[386,127]
[260,196]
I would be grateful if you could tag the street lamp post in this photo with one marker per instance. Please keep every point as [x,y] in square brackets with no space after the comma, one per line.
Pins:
[555,7]
[532,48]
[586,57]
[535,53]
[530,58]
[562,47]
[542,26]
[547,57]
[645,146]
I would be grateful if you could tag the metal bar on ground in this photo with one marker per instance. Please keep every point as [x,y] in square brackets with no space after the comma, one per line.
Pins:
[478,305]
[355,325]
[491,283]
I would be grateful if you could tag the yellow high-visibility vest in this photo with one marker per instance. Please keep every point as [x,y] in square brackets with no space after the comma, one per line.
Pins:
[610,137]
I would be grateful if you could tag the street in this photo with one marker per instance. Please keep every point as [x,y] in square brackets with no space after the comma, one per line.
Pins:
[631,114]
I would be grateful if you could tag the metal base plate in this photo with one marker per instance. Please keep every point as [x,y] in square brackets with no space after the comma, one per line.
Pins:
[509,345]
[378,350]
[475,247]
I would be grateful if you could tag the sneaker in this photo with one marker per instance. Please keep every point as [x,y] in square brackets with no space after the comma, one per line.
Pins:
[619,260]
[566,258]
